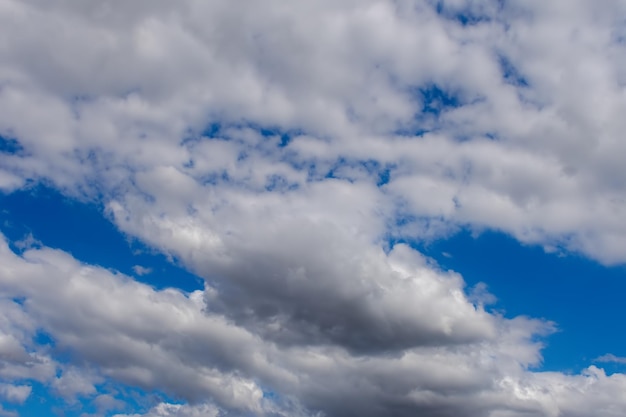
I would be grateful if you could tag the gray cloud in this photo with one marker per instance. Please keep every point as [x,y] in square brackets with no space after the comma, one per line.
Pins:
[167,340]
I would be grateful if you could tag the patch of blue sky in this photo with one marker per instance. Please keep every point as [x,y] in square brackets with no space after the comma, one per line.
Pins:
[79,228]
[583,298]
[44,401]
[271,395]
[437,99]
[377,171]
[465,16]
[279,183]
[9,145]
[510,73]
[492,136]
[384,176]
[43,339]
[217,130]
[337,165]
[413,131]
[381,172]
[211,130]
[434,101]
[285,136]
[40,402]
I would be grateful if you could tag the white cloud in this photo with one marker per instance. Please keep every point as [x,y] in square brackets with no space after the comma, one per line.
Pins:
[9,181]
[107,402]
[158,75]
[15,393]
[609,357]
[167,341]
[303,296]
[141,270]
[20,357]
[74,383]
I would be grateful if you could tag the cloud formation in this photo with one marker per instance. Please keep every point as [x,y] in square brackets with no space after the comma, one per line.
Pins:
[279,150]
[470,103]
[168,340]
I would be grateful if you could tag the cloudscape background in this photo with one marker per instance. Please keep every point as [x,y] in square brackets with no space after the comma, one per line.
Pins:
[312,208]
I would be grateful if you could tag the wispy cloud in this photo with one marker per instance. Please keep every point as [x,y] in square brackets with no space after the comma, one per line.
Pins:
[610,358]
[141,270]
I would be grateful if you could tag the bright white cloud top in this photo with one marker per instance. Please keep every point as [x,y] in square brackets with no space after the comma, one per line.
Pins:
[277,149]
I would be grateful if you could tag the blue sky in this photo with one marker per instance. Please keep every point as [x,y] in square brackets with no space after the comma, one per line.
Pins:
[80,228]
[559,287]
[312,208]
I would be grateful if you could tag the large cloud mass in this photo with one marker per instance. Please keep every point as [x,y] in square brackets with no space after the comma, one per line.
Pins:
[278,150]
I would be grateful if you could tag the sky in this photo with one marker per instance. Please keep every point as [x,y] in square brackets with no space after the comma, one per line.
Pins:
[312,209]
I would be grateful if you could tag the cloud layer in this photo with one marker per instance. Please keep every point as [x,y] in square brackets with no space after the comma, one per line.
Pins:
[278,150]
[166,340]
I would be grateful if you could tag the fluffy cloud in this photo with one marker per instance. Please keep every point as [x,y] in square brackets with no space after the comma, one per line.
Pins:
[98,94]
[276,149]
[168,340]
[15,393]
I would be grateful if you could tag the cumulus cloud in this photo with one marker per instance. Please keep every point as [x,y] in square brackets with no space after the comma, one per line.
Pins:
[277,150]
[15,393]
[470,105]
[167,340]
